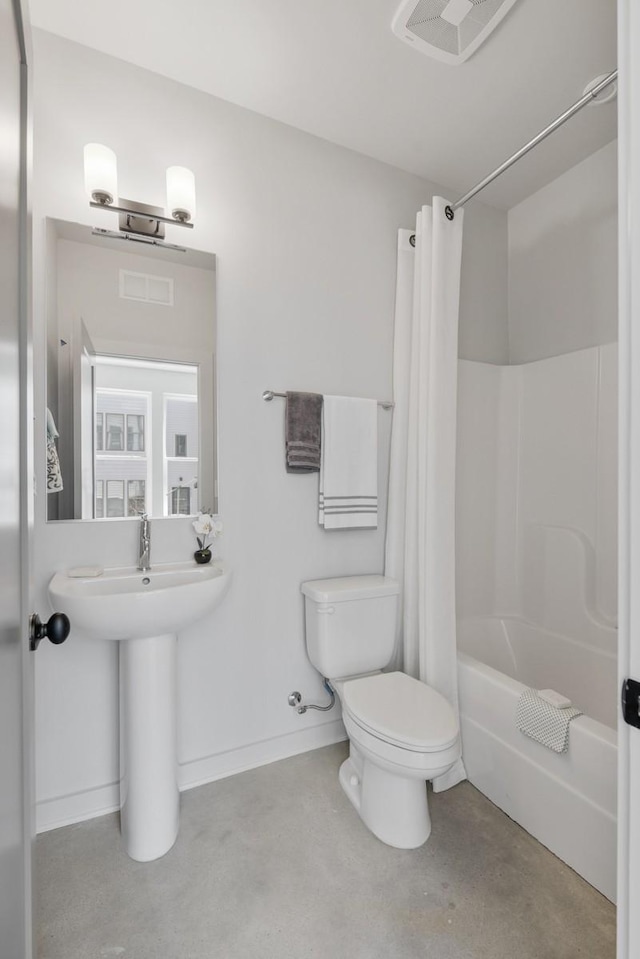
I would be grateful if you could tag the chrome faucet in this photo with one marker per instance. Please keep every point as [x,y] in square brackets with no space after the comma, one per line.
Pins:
[144,551]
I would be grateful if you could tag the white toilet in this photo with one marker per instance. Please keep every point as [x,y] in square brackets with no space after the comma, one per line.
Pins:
[401,731]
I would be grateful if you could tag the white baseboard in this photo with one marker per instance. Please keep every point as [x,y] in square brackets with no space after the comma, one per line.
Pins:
[76,807]
[197,772]
[90,803]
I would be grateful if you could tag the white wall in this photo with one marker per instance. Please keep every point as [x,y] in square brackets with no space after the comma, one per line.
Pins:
[537,498]
[305,235]
[563,262]
[483,333]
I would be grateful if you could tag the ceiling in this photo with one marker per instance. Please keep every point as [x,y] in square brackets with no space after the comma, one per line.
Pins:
[334,69]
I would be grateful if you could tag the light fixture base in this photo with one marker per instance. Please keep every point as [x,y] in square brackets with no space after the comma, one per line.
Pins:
[102,197]
[141,218]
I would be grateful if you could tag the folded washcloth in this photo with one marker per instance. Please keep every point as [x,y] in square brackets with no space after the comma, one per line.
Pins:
[303,432]
[348,486]
[547,724]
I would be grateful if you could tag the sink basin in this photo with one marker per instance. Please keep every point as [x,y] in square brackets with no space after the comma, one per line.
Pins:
[126,603]
[147,610]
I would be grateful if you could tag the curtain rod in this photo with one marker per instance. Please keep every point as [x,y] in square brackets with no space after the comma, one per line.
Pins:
[268,395]
[578,105]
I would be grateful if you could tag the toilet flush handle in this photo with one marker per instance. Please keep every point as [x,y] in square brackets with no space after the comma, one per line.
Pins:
[326,609]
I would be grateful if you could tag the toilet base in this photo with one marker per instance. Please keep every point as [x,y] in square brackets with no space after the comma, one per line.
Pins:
[393,807]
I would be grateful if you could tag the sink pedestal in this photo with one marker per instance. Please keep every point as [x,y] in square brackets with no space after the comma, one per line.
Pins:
[144,612]
[149,796]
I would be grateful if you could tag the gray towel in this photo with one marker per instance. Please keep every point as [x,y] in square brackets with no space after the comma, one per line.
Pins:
[303,432]
[543,722]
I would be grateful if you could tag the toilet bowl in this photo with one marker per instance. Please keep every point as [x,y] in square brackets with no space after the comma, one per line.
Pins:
[401,731]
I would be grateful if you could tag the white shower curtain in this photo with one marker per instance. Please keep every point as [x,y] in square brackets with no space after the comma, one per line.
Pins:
[420,544]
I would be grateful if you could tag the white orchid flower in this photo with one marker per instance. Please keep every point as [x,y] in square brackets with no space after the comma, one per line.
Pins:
[202,524]
[216,526]
[207,525]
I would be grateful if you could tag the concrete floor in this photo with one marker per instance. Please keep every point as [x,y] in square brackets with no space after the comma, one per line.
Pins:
[275,862]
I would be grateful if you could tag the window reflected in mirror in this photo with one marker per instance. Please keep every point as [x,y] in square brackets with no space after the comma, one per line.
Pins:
[140,433]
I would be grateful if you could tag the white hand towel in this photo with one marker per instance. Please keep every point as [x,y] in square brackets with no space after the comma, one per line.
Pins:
[348,483]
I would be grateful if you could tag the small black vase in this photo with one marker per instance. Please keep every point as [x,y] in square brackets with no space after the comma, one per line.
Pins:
[202,556]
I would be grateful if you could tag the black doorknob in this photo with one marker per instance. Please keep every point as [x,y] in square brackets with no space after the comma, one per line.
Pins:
[56,630]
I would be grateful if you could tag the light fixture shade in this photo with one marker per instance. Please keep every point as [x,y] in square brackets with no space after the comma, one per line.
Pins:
[100,173]
[181,193]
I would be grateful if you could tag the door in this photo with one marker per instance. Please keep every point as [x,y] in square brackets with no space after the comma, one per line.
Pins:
[15,697]
[83,366]
[629,526]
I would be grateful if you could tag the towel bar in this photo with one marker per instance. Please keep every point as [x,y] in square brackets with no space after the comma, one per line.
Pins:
[268,395]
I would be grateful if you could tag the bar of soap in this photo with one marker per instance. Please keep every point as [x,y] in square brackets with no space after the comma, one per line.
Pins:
[79,572]
[554,699]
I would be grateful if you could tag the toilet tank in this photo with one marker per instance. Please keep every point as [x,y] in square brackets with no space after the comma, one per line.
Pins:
[350,623]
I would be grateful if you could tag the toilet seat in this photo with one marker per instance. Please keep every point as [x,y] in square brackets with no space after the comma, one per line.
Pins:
[401,711]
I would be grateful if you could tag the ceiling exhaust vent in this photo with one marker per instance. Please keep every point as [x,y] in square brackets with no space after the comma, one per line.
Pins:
[448,30]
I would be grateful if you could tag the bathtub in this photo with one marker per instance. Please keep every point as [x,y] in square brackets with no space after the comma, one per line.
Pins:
[567,801]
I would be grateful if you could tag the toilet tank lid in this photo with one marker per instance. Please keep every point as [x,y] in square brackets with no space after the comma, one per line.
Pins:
[342,589]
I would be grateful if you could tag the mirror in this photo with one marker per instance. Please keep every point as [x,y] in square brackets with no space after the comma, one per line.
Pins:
[131,342]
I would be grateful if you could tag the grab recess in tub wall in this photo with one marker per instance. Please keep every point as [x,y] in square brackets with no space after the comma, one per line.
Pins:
[559,585]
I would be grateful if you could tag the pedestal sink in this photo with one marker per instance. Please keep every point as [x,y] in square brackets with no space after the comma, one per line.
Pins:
[144,611]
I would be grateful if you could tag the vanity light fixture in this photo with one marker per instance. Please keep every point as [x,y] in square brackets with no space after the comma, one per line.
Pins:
[138,219]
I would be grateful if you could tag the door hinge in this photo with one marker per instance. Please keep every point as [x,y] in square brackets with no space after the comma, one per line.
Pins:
[631,702]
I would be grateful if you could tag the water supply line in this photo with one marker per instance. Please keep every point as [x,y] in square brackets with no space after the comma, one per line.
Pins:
[295,699]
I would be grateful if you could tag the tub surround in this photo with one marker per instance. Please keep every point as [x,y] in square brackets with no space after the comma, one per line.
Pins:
[537,492]
[544,660]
